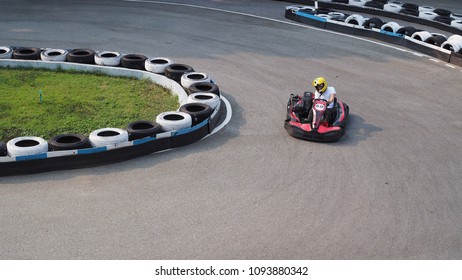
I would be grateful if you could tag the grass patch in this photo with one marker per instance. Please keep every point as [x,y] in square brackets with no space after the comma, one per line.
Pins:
[74,102]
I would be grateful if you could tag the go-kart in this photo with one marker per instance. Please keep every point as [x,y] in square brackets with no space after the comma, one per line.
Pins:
[307,118]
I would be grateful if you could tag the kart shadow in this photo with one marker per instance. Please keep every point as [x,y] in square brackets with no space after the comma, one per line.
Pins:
[357,130]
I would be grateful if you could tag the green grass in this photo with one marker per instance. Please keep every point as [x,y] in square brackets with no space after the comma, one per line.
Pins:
[74,102]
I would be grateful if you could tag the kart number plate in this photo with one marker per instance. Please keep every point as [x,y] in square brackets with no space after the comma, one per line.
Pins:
[319,107]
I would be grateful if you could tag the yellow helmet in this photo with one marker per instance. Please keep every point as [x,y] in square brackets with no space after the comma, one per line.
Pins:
[320,84]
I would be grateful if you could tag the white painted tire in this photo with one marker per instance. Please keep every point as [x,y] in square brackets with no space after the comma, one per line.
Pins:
[456,16]
[360,3]
[208,98]
[454,46]
[426,9]
[193,77]
[54,55]
[457,23]
[26,146]
[421,35]
[157,64]
[430,15]
[107,136]
[108,58]
[6,53]
[173,120]
[336,15]
[394,8]
[455,38]
[391,27]
[355,18]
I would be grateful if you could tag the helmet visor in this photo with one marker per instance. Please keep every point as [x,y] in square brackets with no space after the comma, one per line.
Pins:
[319,87]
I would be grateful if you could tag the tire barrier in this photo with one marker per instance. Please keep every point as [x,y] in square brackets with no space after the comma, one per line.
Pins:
[157,64]
[175,71]
[337,16]
[407,30]
[426,43]
[199,112]
[108,136]
[204,87]
[3,151]
[193,77]
[373,23]
[394,8]
[421,35]
[108,58]
[84,56]
[54,55]
[355,19]
[423,15]
[373,4]
[171,121]
[410,12]
[69,141]
[453,44]
[444,19]
[26,146]
[457,23]
[27,53]
[192,121]
[210,99]
[143,128]
[358,2]
[391,27]
[442,12]
[6,52]
[410,6]
[426,9]
[436,40]
[133,61]
[428,15]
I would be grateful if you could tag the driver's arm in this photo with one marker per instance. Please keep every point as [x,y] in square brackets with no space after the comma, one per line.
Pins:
[331,98]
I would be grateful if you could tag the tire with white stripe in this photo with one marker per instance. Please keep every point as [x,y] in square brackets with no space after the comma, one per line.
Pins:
[157,64]
[6,52]
[54,55]
[174,120]
[108,136]
[193,77]
[26,146]
[210,99]
[108,58]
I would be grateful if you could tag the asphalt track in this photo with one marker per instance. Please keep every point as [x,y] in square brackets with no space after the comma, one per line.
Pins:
[390,189]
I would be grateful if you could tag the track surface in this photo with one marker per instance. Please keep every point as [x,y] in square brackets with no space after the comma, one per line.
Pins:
[390,189]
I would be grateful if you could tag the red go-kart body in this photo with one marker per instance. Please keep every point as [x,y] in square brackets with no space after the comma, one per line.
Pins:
[306,119]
